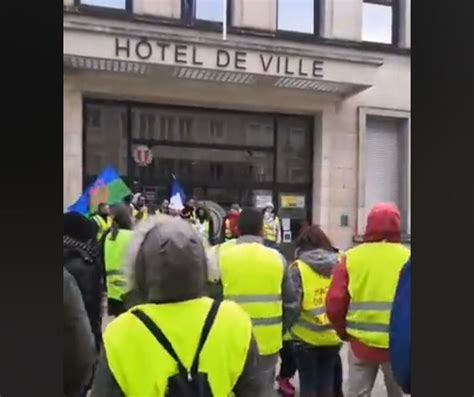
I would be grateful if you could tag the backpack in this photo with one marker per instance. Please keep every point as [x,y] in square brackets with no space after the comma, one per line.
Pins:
[400,331]
[186,383]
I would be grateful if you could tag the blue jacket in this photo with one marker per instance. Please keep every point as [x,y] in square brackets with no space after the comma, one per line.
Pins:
[400,331]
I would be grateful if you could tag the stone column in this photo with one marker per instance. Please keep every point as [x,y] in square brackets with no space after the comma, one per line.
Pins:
[72,150]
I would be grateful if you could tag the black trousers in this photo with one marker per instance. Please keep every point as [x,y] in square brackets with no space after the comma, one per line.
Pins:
[288,360]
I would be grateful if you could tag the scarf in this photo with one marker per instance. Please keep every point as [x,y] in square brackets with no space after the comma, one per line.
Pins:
[91,250]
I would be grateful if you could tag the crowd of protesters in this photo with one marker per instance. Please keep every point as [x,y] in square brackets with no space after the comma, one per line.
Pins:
[180,289]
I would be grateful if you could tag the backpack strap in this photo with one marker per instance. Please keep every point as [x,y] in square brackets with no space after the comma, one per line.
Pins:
[166,344]
[160,337]
[211,316]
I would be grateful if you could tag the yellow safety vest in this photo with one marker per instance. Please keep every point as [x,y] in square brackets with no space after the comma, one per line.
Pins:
[252,276]
[270,232]
[374,269]
[145,214]
[142,367]
[104,225]
[115,253]
[313,326]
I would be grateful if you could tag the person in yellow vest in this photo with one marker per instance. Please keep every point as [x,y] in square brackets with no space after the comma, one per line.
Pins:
[103,219]
[204,226]
[175,340]
[256,277]
[316,343]
[140,210]
[360,299]
[271,227]
[115,246]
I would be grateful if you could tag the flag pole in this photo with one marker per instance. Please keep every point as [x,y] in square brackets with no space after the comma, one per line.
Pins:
[224,21]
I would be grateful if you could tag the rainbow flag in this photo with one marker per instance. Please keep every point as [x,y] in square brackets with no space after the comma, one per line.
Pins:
[108,188]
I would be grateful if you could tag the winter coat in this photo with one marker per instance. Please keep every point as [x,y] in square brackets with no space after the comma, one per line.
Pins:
[79,352]
[383,224]
[400,331]
[83,262]
[231,221]
[172,267]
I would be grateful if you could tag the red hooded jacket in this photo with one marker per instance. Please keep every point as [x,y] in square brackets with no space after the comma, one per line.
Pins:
[233,218]
[383,224]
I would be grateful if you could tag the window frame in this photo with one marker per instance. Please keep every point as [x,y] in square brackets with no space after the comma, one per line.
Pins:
[395,6]
[188,16]
[127,10]
[274,186]
[316,23]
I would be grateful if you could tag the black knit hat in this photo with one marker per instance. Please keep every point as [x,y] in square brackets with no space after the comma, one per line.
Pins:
[79,227]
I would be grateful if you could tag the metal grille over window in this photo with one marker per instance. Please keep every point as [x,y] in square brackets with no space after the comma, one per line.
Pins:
[387,151]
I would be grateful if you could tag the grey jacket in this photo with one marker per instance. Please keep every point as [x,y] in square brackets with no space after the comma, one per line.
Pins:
[289,297]
[321,261]
[79,352]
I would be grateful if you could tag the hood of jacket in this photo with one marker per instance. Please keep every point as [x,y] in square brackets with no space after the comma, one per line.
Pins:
[321,261]
[167,261]
[383,224]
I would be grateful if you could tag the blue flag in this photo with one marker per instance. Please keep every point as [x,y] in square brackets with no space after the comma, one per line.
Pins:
[107,188]
[178,198]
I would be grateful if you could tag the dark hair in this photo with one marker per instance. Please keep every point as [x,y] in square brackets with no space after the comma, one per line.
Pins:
[101,206]
[79,227]
[122,220]
[312,237]
[251,222]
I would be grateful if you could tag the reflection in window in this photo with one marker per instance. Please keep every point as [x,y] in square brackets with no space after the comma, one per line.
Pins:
[296,16]
[234,166]
[216,129]
[185,129]
[106,141]
[117,4]
[377,21]
[94,117]
[209,10]
[167,128]
[294,150]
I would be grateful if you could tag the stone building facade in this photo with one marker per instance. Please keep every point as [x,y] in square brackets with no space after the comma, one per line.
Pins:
[318,118]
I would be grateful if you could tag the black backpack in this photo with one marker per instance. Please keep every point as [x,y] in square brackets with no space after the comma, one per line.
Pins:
[184,384]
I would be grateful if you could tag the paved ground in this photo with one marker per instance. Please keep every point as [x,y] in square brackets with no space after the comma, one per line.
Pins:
[379,388]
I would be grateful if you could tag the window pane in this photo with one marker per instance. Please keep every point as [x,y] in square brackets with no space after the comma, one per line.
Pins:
[377,23]
[294,150]
[210,166]
[176,125]
[296,15]
[119,4]
[210,10]
[106,138]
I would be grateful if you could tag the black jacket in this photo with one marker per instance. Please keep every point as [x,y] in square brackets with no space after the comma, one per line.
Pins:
[83,262]
[79,348]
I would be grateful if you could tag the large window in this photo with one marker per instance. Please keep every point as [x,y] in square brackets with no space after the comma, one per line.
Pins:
[379,22]
[223,156]
[297,16]
[203,10]
[114,4]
